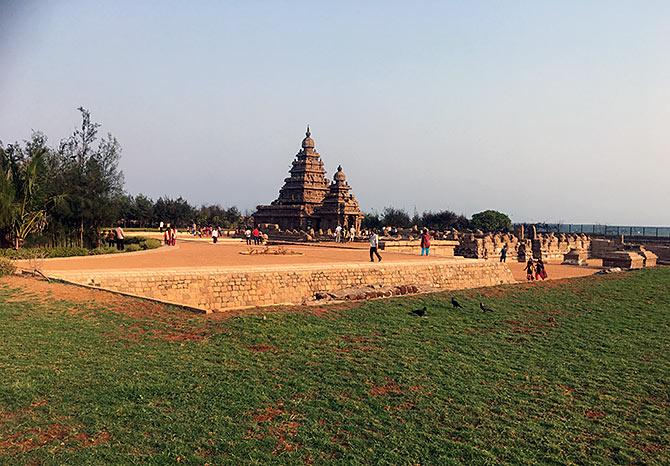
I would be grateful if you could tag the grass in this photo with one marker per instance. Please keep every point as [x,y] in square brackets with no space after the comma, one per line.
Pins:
[562,372]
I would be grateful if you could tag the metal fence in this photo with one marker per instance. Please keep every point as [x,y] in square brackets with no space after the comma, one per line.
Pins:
[603,230]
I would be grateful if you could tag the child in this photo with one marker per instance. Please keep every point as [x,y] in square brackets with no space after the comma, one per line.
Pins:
[529,269]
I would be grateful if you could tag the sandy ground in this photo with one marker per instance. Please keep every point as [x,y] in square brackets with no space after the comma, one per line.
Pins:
[227,253]
[554,271]
[224,254]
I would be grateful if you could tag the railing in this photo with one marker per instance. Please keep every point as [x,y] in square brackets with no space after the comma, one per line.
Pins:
[603,230]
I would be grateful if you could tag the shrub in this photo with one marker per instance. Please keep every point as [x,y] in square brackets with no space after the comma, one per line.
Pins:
[6,267]
[133,248]
[103,250]
[151,243]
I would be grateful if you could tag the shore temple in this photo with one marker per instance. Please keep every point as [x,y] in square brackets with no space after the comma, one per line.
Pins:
[309,200]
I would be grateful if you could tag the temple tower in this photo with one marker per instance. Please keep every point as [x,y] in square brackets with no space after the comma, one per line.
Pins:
[303,191]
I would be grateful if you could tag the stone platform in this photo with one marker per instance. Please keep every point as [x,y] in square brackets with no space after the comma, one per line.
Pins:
[223,288]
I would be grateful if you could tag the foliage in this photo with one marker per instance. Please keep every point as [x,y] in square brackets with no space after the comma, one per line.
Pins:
[84,173]
[6,267]
[396,217]
[22,176]
[556,375]
[134,243]
[491,220]
[178,212]
[443,219]
[371,221]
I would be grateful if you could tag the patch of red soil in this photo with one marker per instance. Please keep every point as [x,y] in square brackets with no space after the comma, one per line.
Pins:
[282,431]
[594,414]
[61,434]
[389,388]
[261,348]
[269,413]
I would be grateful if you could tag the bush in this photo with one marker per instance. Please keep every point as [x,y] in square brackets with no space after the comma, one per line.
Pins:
[103,250]
[6,267]
[151,243]
[136,243]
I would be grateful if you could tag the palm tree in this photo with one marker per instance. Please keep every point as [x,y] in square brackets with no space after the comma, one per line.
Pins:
[21,209]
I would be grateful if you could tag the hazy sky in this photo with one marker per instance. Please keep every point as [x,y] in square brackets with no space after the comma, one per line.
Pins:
[547,110]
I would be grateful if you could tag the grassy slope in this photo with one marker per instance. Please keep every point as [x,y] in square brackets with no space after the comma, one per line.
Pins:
[572,373]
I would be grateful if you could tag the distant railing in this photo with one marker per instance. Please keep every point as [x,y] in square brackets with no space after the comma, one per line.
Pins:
[603,230]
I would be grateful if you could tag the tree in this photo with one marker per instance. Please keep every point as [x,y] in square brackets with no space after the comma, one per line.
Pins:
[443,219]
[491,220]
[371,221]
[85,173]
[178,212]
[22,202]
[396,217]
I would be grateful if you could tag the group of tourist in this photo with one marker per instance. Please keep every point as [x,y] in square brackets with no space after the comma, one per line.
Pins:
[170,236]
[255,236]
[535,270]
[339,232]
[115,237]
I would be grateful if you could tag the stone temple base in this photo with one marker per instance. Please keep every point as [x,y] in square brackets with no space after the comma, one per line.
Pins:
[220,289]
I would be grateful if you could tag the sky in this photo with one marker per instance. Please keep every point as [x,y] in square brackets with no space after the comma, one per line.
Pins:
[555,111]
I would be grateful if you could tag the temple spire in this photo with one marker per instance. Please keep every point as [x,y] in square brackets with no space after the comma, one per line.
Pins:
[308,134]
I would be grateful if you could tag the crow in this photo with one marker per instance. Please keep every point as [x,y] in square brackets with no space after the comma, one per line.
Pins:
[455,303]
[484,308]
[420,312]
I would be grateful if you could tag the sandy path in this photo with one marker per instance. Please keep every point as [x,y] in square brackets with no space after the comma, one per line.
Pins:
[224,254]
[197,254]
[554,271]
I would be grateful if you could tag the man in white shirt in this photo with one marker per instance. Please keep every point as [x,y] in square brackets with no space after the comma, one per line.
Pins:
[215,235]
[338,234]
[374,244]
[247,235]
[352,233]
[120,236]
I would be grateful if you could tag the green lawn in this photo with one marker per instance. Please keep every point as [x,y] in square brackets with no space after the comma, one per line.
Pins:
[562,372]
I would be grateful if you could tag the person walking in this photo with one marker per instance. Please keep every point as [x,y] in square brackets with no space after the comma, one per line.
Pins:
[374,244]
[120,236]
[530,267]
[503,253]
[173,236]
[166,237]
[247,235]
[215,235]
[338,234]
[425,242]
[352,234]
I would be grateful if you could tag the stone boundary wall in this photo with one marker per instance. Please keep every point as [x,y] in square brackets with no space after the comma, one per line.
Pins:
[213,289]
[442,248]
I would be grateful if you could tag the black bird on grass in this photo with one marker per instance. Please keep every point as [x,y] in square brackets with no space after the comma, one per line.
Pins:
[420,312]
[455,303]
[484,308]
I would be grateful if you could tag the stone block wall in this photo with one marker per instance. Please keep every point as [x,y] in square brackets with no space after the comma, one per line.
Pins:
[222,289]
[442,248]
